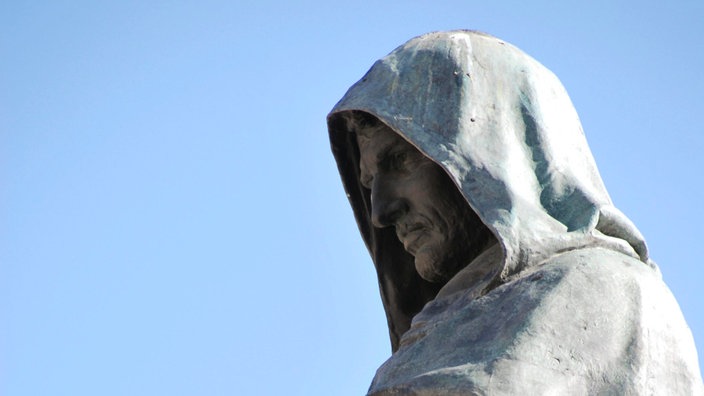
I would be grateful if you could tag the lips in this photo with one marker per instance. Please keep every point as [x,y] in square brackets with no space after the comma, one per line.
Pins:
[410,236]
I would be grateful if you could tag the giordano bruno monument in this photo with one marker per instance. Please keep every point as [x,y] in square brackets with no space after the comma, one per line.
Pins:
[504,267]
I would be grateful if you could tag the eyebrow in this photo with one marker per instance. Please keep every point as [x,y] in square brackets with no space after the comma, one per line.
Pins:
[384,153]
[378,159]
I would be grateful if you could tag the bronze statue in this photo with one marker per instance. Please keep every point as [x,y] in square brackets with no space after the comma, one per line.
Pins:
[503,265]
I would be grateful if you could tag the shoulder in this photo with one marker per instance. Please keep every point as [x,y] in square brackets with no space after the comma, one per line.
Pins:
[619,320]
[590,319]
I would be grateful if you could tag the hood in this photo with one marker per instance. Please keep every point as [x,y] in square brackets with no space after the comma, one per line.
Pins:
[503,128]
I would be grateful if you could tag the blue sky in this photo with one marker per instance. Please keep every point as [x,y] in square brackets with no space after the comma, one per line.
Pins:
[171,218]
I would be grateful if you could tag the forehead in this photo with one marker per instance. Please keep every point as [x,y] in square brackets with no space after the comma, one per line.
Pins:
[378,139]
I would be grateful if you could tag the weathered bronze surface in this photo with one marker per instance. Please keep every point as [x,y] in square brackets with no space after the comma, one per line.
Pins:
[503,265]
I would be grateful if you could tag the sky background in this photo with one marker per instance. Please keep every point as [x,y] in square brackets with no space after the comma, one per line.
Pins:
[171,218]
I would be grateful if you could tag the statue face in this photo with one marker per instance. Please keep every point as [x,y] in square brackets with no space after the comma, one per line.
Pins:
[412,193]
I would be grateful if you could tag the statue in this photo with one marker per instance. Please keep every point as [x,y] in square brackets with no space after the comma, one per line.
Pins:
[503,265]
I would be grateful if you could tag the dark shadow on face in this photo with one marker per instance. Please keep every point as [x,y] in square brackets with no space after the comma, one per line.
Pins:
[412,193]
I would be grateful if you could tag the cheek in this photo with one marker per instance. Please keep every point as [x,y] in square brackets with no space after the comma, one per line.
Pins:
[444,197]
[434,196]
[451,209]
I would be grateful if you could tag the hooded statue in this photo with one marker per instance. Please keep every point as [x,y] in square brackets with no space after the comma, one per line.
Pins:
[565,300]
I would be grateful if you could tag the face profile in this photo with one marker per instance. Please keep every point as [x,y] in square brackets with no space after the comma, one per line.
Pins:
[415,195]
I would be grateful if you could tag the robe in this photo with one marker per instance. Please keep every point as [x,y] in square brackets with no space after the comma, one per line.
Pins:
[586,322]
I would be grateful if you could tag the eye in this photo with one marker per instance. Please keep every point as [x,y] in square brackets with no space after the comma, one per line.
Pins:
[397,160]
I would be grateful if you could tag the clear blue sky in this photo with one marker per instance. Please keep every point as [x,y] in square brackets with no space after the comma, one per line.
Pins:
[171,218]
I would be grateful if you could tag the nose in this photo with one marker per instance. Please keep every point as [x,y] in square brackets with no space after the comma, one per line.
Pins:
[387,205]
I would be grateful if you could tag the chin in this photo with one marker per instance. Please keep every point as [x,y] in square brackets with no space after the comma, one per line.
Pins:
[431,270]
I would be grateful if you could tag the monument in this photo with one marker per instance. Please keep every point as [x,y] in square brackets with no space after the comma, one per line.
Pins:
[504,267]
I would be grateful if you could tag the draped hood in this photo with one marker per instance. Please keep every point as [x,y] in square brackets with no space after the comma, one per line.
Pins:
[503,128]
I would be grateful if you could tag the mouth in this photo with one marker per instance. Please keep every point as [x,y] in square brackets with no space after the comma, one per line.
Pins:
[411,237]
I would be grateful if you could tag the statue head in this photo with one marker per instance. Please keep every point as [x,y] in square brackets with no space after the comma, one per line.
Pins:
[415,196]
[456,140]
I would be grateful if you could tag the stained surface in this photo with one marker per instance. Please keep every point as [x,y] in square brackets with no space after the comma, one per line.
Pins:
[504,129]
